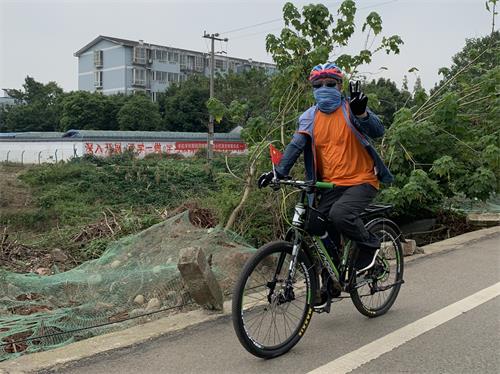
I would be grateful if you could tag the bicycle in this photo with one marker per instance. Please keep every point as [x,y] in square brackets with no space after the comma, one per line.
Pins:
[275,295]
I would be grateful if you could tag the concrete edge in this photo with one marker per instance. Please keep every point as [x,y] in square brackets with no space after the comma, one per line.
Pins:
[60,357]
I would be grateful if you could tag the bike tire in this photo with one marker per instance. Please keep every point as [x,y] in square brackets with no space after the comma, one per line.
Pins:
[391,251]
[242,294]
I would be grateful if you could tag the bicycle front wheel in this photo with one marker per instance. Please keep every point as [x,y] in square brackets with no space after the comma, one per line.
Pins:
[269,316]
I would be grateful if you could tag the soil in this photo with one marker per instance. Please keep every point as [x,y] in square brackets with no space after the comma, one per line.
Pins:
[14,195]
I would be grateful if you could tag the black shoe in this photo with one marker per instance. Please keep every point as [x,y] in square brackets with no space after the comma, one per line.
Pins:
[331,290]
[366,259]
[323,301]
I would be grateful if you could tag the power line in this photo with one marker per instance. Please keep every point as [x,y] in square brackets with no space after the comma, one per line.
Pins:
[252,26]
[280,19]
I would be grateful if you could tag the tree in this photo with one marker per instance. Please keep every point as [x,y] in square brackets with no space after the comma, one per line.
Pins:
[183,105]
[38,107]
[449,140]
[389,98]
[83,110]
[139,113]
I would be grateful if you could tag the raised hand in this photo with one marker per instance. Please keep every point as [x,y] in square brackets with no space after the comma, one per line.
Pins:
[358,100]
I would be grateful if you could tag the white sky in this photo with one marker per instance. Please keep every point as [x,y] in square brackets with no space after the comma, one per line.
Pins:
[38,37]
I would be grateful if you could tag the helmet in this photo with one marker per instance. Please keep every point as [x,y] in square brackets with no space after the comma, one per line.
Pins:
[327,70]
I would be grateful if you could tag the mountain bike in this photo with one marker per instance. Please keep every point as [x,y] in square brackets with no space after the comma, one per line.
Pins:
[285,281]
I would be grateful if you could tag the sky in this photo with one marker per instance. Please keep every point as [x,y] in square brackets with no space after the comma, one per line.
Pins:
[39,38]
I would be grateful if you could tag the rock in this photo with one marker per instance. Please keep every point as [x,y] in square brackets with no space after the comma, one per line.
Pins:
[419,250]
[139,299]
[199,279]
[409,247]
[153,304]
[59,256]
[94,279]
[102,306]
[137,312]
[115,264]
[42,271]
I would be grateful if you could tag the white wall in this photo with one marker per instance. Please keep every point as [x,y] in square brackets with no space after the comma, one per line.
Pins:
[51,151]
[39,152]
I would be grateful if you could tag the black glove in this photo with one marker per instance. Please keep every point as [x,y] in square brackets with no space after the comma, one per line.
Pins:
[358,100]
[265,179]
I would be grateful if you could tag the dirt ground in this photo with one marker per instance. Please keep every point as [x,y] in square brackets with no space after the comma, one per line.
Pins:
[14,195]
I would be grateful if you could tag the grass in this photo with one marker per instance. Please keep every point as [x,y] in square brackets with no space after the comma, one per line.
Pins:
[66,198]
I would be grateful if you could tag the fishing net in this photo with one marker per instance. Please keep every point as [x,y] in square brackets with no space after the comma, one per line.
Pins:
[135,276]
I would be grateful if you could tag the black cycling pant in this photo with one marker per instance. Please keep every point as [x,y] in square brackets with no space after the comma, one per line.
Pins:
[343,205]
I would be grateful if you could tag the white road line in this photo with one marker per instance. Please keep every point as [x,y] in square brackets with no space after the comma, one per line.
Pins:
[375,349]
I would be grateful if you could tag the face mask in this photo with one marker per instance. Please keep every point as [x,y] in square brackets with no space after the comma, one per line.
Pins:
[327,98]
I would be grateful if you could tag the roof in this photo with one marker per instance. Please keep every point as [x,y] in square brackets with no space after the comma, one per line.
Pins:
[108,38]
[103,135]
[133,43]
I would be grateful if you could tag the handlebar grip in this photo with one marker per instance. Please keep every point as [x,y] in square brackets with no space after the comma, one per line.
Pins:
[325,185]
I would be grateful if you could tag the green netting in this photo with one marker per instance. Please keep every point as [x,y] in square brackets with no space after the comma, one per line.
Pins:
[135,275]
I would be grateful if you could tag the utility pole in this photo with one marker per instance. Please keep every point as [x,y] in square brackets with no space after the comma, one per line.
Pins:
[210,140]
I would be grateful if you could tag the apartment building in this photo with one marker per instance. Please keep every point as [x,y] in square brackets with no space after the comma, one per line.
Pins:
[112,65]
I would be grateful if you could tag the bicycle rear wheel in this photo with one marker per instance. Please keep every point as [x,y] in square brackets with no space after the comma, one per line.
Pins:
[269,318]
[377,289]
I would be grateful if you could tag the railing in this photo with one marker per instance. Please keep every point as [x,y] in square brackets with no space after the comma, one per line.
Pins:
[25,157]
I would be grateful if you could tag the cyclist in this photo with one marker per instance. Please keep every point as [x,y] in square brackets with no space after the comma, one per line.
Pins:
[333,134]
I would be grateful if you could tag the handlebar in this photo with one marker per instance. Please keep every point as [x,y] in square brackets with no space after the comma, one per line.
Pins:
[303,185]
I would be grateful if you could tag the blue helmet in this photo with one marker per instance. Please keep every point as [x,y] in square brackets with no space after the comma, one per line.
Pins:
[327,70]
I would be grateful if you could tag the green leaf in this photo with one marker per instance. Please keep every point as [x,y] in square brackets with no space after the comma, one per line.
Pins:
[374,21]
[216,108]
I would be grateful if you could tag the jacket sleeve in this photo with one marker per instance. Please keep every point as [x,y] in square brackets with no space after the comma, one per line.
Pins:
[291,154]
[370,125]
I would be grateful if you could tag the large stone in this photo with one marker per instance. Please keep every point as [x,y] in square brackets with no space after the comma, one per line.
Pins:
[59,256]
[199,279]
[153,304]
[139,299]
[409,247]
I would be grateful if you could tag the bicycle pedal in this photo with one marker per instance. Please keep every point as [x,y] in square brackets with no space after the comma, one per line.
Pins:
[323,308]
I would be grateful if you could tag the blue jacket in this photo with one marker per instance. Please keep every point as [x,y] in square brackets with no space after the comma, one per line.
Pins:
[303,141]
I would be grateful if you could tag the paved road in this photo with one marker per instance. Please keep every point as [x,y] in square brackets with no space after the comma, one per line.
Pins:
[469,343]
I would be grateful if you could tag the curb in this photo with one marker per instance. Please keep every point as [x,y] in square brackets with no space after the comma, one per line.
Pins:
[61,357]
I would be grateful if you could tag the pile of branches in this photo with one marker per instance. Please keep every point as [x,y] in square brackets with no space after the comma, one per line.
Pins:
[107,227]
[199,217]
[21,258]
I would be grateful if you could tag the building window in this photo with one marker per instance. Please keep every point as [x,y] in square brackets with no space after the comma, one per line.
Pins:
[199,63]
[160,76]
[139,55]
[161,55]
[98,79]
[98,59]
[139,77]
[219,64]
[173,77]
[183,62]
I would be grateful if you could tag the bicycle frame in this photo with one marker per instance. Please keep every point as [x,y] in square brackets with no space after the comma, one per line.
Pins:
[341,274]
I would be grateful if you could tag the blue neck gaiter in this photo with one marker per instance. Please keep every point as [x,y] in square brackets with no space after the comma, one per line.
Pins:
[327,98]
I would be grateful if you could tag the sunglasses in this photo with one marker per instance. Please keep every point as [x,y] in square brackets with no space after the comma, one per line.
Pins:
[328,83]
